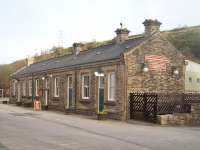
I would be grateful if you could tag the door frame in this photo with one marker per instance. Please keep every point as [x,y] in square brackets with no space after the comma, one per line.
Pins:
[99,80]
[68,77]
[46,91]
[18,92]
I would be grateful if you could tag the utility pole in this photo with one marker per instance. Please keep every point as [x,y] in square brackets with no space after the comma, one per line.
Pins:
[60,38]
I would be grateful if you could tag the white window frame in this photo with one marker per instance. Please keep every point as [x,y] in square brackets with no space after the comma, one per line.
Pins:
[30,88]
[37,87]
[24,88]
[111,97]
[68,85]
[198,80]
[85,86]
[56,87]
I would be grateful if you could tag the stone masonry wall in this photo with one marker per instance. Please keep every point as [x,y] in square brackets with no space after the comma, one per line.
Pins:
[154,81]
[190,119]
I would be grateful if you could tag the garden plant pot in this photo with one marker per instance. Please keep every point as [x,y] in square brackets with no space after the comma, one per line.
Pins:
[102,116]
[18,103]
[44,107]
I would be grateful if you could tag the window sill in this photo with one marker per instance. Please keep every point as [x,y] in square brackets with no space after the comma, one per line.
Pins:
[110,103]
[85,100]
[56,98]
[25,96]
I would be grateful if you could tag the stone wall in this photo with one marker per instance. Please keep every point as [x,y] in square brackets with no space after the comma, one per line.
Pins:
[154,81]
[190,119]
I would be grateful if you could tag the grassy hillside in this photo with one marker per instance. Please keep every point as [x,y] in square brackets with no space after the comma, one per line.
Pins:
[6,70]
[186,40]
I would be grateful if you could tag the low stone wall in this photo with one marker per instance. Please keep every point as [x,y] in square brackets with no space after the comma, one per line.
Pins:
[189,119]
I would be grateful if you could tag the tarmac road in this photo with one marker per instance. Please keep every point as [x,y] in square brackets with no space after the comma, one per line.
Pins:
[24,129]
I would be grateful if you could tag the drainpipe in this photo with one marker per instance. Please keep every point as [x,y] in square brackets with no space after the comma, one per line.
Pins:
[75,89]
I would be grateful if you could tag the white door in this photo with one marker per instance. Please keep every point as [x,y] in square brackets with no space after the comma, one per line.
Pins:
[18,92]
[70,102]
[46,91]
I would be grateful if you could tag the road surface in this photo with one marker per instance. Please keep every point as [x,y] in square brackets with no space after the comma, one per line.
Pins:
[24,129]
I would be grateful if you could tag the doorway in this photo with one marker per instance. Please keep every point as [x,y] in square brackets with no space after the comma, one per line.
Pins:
[70,103]
[101,94]
[46,92]
[18,92]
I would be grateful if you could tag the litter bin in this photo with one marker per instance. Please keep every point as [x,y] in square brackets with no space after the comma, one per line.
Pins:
[37,105]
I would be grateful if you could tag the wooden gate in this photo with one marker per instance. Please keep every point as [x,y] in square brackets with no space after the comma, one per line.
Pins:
[143,106]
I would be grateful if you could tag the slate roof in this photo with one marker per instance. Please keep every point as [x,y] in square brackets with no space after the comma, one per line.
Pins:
[99,54]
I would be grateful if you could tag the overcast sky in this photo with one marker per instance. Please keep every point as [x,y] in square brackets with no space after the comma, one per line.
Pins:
[29,26]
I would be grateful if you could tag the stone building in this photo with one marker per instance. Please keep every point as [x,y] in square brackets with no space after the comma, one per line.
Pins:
[100,79]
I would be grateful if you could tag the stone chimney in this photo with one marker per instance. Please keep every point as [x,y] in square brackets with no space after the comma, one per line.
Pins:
[78,47]
[151,27]
[29,61]
[122,34]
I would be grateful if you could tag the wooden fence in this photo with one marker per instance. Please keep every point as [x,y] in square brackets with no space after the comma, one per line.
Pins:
[147,106]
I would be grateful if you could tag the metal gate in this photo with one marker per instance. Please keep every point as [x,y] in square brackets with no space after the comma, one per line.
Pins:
[143,106]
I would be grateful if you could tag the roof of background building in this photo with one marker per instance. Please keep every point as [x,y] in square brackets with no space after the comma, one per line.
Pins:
[99,54]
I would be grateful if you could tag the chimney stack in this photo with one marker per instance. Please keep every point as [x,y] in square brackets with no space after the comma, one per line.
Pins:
[151,27]
[78,47]
[122,34]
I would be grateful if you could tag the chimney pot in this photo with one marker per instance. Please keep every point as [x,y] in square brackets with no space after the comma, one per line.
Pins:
[30,61]
[78,47]
[122,34]
[151,27]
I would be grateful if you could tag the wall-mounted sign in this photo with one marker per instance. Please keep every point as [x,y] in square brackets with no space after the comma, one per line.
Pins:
[157,62]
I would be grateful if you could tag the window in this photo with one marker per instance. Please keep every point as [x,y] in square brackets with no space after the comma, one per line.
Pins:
[36,87]
[198,80]
[30,87]
[56,87]
[24,88]
[190,79]
[111,86]
[85,86]
[70,82]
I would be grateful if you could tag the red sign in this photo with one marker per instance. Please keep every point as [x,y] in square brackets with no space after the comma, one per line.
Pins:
[157,62]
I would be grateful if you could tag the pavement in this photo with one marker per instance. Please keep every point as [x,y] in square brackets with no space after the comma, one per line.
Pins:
[25,129]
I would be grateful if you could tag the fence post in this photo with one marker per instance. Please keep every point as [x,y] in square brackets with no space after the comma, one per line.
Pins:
[144,105]
[131,106]
[183,109]
[155,108]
